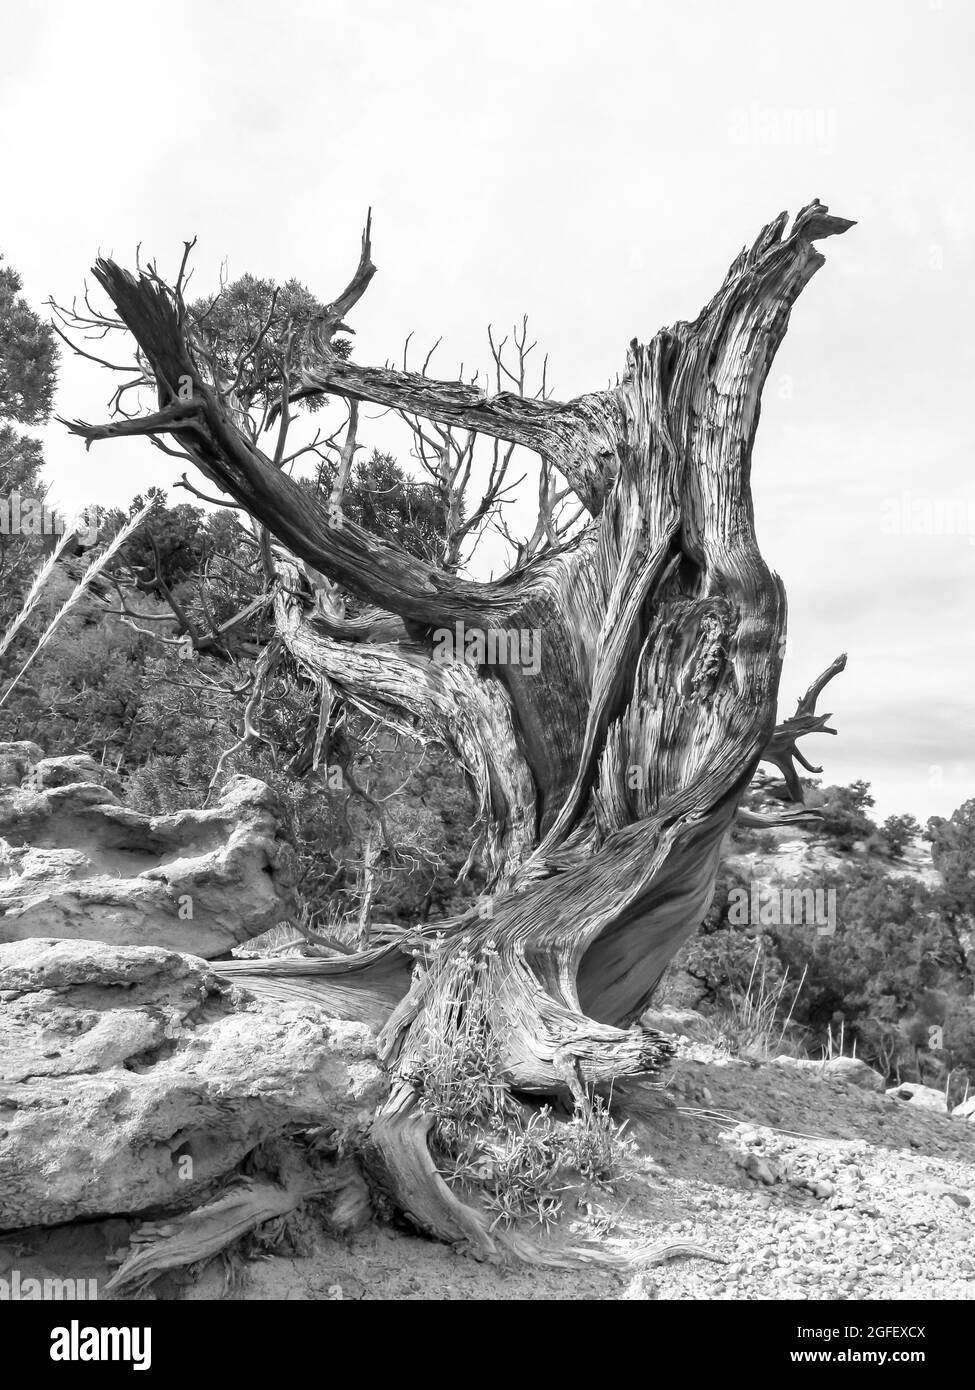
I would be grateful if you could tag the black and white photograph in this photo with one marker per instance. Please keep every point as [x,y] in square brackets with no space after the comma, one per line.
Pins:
[487,667]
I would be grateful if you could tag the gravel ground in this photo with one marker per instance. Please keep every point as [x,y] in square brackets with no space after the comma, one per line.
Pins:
[811,1188]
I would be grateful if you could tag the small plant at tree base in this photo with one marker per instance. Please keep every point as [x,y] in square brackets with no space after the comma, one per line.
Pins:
[518,1160]
[459,1078]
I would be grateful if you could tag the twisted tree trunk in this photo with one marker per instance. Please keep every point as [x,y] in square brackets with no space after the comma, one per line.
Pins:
[604,781]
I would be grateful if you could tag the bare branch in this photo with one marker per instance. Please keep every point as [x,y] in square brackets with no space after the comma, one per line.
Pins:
[164,421]
[782,750]
[345,465]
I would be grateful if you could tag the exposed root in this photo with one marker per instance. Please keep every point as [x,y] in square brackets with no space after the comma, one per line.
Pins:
[399,1159]
[364,988]
[576,1256]
[208,1231]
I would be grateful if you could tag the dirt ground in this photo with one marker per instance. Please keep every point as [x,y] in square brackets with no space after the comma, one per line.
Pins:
[804,1187]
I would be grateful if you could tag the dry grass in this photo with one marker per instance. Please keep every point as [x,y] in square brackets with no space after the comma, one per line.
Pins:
[754,1025]
[34,592]
[75,597]
[310,933]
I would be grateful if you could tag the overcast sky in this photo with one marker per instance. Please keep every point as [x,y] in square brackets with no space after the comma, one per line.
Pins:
[598,166]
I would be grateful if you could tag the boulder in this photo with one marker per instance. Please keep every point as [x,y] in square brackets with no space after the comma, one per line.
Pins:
[920,1097]
[74,767]
[965,1111]
[851,1069]
[856,1071]
[679,1022]
[77,864]
[133,1080]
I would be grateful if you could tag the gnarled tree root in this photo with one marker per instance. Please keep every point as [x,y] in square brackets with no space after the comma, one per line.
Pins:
[201,1234]
[397,1158]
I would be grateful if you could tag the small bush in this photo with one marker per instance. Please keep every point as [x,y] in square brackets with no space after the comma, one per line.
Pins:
[517,1160]
[896,834]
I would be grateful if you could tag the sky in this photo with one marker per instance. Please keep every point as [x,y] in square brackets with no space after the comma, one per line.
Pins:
[597,166]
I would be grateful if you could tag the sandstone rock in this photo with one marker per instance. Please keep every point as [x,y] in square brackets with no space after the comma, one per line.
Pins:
[75,863]
[132,1079]
[856,1071]
[850,1069]
[921,1097]
[681,1022]
[75,767]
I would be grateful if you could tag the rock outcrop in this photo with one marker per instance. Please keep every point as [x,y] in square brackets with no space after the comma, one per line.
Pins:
[921,1097]
[676,1022]
[850,1069]
[76,863]
[133,1080]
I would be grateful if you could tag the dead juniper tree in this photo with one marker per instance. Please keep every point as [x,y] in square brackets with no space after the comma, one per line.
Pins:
[606,778]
